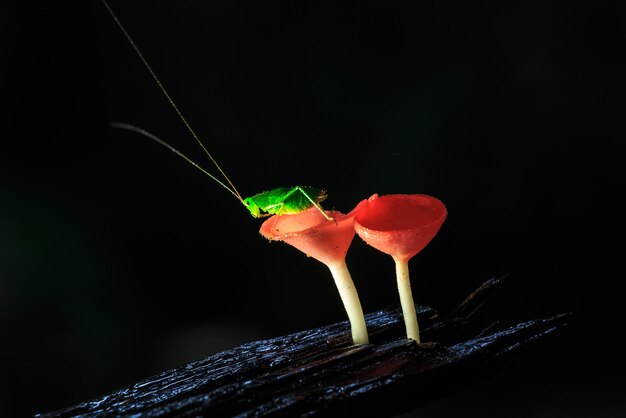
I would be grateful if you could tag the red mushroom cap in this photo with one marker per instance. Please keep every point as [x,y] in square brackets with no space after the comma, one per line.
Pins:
[313,234]
[400,225]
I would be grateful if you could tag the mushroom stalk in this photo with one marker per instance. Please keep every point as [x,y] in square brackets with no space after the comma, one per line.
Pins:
[406,299]
[351,302]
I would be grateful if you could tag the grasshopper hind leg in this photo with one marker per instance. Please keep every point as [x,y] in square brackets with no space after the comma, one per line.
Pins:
[315,203]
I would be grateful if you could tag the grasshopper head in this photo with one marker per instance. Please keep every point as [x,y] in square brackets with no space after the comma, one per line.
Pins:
[252,207]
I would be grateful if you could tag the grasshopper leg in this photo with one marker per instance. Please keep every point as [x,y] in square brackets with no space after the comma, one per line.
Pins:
[316,204]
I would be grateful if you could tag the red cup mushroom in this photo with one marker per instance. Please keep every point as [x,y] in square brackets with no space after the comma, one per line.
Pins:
[401,225]
[327,241]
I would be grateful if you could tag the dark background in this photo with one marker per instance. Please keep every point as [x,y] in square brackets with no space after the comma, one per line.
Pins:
[118,260]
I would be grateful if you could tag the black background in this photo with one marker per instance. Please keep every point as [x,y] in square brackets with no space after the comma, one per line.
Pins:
[118,260]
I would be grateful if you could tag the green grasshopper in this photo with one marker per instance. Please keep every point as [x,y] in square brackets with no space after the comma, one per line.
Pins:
[278,201]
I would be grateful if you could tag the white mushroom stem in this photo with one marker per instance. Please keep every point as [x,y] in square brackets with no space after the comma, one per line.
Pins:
[406,299]
[351,302]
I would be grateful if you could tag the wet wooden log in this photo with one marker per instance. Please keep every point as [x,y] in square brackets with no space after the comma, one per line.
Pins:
[319,372]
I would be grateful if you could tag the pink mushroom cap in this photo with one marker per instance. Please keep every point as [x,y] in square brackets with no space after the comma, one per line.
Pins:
[313,234]
[400,225]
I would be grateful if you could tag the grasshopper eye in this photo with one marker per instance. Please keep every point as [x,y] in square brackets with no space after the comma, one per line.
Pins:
[401,226]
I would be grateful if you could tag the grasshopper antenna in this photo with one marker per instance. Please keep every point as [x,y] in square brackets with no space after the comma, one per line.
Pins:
[232,187]
[133,128]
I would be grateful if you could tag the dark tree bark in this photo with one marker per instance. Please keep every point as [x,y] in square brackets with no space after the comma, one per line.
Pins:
[319,372]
